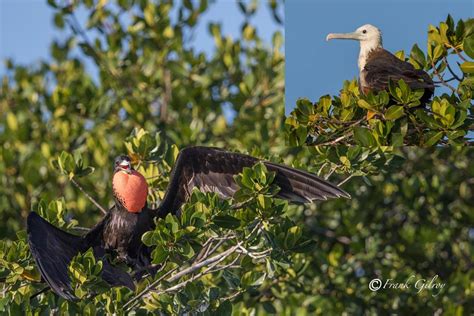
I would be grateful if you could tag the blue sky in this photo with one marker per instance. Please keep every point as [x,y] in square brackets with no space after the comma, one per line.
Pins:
[26,28]
[315,67]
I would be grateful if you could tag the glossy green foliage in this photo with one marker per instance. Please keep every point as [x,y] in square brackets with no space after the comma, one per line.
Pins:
[413,219]
[130,65]
[395,117]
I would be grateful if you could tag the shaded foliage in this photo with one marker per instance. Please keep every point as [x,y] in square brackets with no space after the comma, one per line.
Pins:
[148,75]
[60,127]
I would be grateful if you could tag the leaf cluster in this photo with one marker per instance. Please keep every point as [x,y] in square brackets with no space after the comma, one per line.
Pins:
[396,117]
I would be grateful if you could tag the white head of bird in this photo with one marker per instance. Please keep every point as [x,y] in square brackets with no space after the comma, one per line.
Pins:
[369,37]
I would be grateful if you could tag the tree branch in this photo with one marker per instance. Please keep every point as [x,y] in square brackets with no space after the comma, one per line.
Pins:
[451,71]
[345,180]
[77,185]
[435,71]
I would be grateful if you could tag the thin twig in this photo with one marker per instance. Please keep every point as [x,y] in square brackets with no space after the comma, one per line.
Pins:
[229,266]
[232,296]
[205,248]
[459,53]
[441,78]
[166,96]
[211,264]
[131,302]
[147,268]
[39,292]
[330,173]
[81,229]
[445,80]
[255,255]
[241,205]
[451,71]
[345,180]
[219,243]
[335,141]
[103,210]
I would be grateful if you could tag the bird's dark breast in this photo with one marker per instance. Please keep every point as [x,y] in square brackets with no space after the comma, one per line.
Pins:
[123,233]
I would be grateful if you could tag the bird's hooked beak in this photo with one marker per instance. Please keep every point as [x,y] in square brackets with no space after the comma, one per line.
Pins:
[124,165]
[352,36]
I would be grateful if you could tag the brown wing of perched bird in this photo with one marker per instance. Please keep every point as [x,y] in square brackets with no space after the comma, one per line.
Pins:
[53,250]
[382,66]
[377,67]
[213,170]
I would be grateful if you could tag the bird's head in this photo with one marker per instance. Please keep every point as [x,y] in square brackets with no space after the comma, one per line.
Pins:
[123,163]
[130,187]
[367,35]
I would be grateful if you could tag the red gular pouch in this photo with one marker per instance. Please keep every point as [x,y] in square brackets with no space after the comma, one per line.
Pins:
[131,189]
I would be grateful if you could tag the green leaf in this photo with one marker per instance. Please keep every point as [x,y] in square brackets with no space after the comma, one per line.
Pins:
[418,55]
[364,137]
[159,254]
[226,221]
[468,46]
[397,139]
[438,52]
[366,105]
[151,238]
[269,308]
[12,121]
[84,172]
[224,309]
[253,278]
[149,14]
[455,134]
[467,67]
[172,223]
[187,251]
[292,236]
[394,112]
[432,138]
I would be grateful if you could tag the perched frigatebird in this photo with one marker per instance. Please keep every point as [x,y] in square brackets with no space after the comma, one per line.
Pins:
[377,66]
[120,231]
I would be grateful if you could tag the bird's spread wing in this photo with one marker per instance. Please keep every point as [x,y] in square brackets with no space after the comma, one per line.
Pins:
[213,170]
[53,250]
[382,66]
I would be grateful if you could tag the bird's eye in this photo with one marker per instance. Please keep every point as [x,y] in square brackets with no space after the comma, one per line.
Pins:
[364,31]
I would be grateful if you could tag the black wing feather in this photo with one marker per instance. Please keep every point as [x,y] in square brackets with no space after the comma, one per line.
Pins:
[213,170]
[53,250]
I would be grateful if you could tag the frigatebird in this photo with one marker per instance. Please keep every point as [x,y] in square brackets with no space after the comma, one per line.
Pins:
[119,232]
[377,66]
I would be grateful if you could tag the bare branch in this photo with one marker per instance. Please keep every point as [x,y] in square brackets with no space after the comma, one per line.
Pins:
[435,71]
[166,96]
[255,255]
[459,53]
[330,173]
[131,303]
[233,295]
[209,263]
[103,210]
[451,71]
[334,141]
[345,180]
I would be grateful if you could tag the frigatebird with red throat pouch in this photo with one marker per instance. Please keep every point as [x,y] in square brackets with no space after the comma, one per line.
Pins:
[120,231]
